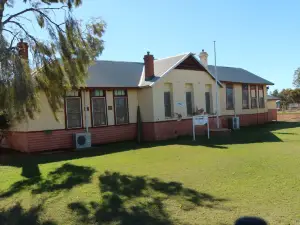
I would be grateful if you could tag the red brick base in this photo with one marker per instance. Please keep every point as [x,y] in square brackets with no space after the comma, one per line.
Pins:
[272,115]
[62,139]
[172,129]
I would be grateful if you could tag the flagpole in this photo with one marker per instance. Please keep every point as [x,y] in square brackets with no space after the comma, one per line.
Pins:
[217,87]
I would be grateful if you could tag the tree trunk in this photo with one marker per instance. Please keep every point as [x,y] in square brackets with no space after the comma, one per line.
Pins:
[2,2]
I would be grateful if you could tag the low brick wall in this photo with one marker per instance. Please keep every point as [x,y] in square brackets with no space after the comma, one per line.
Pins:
[62,139]
[293,117]
[171,129]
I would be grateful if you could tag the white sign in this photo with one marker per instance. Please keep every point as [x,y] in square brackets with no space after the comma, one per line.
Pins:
[200,120]
[181,104]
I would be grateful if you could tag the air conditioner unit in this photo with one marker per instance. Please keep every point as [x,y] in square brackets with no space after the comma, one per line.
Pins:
[82,140]
[234,123]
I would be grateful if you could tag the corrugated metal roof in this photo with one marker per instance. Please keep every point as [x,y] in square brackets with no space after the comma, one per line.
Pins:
[237,75]
[131,74]
[271,97]
[114,74]
[161,66]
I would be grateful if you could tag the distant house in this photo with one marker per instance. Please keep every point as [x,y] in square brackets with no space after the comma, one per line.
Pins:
[293,106]
[107,104]
[273,103]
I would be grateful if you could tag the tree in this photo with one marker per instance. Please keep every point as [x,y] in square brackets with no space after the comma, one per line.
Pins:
[296,80]
[296,95]
[54,66]
[286,96]
[275,93]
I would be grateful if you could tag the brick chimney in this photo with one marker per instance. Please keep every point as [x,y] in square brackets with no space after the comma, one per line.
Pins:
[23,49]
[149,66]
[203,57]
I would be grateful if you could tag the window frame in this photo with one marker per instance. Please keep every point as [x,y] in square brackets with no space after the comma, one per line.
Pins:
[248,105]
[192,104]
[168,117]
[78,96]
[261,87]
[251,97]
[232,87]
[125,96]
[92,107]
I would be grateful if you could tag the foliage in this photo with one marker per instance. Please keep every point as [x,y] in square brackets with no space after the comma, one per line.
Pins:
[287,96]
[296,80]
[55,65]
[275,93]
[5,124]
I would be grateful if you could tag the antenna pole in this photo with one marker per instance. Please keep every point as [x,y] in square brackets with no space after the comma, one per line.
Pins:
[217,87]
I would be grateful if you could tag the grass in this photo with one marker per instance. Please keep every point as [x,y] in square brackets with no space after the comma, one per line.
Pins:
[253,172]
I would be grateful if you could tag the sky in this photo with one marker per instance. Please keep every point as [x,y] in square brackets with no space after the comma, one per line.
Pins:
[260,36]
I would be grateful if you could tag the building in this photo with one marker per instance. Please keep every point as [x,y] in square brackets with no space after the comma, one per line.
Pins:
[273,103]
[163,89]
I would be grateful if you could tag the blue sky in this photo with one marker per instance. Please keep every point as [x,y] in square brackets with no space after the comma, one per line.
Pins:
[260,36]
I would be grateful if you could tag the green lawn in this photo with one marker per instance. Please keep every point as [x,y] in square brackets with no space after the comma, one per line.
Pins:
[255,171]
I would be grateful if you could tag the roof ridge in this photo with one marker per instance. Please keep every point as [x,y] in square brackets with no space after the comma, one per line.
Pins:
[101,60]
[182,54]
[228,67]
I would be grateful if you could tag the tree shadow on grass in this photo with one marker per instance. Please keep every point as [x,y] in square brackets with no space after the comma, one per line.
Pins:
[63,178]
[285,133]
[247,135]
[130,200]
[18,216]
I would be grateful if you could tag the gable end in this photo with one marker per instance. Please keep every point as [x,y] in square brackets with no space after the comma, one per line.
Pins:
[190,63]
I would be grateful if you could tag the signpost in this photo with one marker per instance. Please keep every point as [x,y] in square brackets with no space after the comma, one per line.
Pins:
[200,120]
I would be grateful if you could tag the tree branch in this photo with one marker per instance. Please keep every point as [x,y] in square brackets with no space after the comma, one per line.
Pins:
[25,31]
[2,2]
[8,31]
[13,39]
[25,18]
[35,10]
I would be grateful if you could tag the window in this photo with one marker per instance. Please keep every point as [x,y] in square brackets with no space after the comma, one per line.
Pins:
[245,96]
[253,97]
[261,99]
[121,106]
[97,93]
[98,108]
[208,98]
[167,100]
[73,94]
[73,110]
[189,99]
[189,104]
[229,97]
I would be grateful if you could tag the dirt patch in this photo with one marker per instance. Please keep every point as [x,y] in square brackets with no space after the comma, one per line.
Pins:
[293,117]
